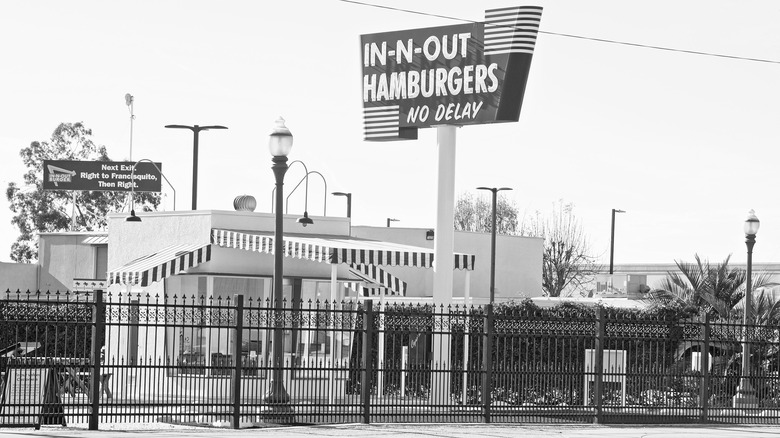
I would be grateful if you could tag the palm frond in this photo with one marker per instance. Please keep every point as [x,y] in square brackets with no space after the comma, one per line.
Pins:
[716,288]
[764,307]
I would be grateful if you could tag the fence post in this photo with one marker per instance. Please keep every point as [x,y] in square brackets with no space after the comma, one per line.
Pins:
[705,371]
[487,361]
[598,365]
[237,362]
[98,328]
[367,359]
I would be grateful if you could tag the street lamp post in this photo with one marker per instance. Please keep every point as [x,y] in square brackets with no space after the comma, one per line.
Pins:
[195,130]
[133,217]
[349,201]
[746,395]
[305,220]
[279,143]
[612,240]
[289,166]
[495,191]
[391,220]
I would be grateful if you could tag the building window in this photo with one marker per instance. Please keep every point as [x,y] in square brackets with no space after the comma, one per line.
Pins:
[199,339]
[101,262]
[192,355]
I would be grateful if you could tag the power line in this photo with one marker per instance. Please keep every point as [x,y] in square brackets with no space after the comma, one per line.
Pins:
[668,49]
[566,35]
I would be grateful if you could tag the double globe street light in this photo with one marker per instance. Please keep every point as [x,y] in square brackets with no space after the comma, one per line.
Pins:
[306,220]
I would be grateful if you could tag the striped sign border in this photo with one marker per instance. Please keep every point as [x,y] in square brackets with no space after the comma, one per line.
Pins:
[381,122]
[512,30]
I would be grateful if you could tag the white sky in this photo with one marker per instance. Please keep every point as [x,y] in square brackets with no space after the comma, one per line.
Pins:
[687,144]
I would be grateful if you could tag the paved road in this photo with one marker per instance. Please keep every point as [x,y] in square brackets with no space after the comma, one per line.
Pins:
[408,430]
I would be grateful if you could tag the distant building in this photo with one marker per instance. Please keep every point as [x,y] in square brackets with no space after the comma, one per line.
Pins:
[67,261]
[654,273]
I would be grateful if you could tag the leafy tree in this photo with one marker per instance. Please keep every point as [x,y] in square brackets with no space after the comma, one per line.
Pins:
[714,288]
[39,211]
[476,214]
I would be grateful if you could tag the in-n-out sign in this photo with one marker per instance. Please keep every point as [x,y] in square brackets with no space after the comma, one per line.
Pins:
[451,75]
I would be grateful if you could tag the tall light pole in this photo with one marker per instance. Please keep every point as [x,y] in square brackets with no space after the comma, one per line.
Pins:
[746,395]
[195,130]
[279,144]
[495,191]
[349,201]
[133,217]
[391,220]
[129,100]
[612,240]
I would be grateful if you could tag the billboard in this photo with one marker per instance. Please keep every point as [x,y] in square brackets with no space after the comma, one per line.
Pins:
[463,74]
[102,175]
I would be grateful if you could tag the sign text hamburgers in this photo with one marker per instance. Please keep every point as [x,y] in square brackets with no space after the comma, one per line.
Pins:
[462,74]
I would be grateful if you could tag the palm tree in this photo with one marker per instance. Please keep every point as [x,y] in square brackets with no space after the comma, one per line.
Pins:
[720,291]
[765,307]
[714,289]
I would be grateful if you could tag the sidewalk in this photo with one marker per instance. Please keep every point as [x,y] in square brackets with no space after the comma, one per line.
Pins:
[136,430]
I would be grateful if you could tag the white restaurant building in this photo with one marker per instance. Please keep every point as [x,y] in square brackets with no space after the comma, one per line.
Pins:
[221,254]
[217,254]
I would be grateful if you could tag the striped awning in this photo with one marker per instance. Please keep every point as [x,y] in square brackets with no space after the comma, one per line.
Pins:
[97,240]
[369,290]
[330,249]
[161,264]
[379,277]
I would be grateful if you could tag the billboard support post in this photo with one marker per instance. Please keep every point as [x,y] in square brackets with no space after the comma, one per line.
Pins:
[445,77]
[444,238]
[443,249]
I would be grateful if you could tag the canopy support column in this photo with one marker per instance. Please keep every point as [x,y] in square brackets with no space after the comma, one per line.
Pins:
[466,303]
[334,356]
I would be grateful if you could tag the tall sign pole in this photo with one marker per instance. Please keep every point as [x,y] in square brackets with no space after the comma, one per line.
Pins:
[444,238]
[447,77]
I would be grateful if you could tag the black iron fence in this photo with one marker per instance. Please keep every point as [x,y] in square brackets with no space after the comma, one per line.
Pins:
[94,358]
